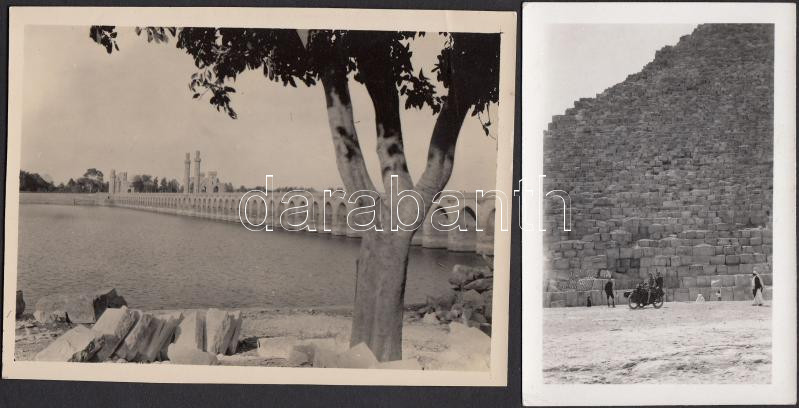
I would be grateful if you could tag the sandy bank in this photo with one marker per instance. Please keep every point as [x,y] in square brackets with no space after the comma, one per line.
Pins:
[429,343]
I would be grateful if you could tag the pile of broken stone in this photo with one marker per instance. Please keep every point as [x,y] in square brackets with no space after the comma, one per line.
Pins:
[468,301]
[125,335]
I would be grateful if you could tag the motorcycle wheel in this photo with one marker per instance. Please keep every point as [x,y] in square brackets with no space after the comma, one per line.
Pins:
[658,302]
[632,303]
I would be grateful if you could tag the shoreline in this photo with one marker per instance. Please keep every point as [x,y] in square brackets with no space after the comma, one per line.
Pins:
[431,344]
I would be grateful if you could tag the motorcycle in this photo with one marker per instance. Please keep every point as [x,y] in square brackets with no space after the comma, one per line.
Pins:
[640,297]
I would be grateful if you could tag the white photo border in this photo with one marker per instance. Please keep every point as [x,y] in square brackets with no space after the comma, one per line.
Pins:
[503,22]
[782,390]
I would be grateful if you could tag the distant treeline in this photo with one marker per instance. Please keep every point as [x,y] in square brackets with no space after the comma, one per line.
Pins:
[90,182]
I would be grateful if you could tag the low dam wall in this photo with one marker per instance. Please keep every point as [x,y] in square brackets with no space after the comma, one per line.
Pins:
[475,232]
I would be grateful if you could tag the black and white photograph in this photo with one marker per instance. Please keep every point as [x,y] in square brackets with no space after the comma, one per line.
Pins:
[297,195]
[657,262]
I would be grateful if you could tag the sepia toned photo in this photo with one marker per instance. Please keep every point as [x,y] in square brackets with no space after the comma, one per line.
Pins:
[657,236]
[670,178]
[263,203]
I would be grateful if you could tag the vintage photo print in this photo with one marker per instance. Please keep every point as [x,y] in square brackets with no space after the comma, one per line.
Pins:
[233,195]
[664,258]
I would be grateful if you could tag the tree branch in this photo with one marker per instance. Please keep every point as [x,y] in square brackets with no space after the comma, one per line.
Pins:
[349,157]
[441,153]
[385,99]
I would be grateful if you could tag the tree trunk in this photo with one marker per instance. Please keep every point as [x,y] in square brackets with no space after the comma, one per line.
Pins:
[381,271]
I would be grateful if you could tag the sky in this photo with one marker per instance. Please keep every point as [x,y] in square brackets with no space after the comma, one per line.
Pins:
[582,60]
[132,111]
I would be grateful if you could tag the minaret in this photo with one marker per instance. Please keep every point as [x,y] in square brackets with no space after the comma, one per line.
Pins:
[186,173]
[197,171]
[112,183]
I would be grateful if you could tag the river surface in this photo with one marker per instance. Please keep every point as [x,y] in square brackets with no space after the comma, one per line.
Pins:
[161,261]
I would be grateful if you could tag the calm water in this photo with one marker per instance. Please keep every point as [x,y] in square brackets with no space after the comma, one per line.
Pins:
[159,261]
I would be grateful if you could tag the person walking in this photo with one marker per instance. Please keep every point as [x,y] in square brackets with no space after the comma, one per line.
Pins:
[609,292]
[757,289]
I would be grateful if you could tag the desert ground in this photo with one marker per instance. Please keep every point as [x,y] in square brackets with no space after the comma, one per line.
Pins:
[709,343]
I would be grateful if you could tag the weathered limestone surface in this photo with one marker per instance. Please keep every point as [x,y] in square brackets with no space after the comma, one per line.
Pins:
[113,326]
[191,331]
[78,307]
[181,354]
[149,338]
[77,345]
[668,172]
[220,329]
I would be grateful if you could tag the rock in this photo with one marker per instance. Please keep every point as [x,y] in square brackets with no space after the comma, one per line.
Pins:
[54,316]
[276,347]
[113,326]
[360,356]
[300,354]
[190,333]
[407,364]
[20,305]
[136,343]
[473,299]
[480,285]
[463,274]
[157,348]
[233,341]
[76,345]
[478,317]
[220,327]
[430,318]
[325,358]
[79,307]
[443,302]
[182,354]
[469,348]
[468,340]
[305,350]
[488,301]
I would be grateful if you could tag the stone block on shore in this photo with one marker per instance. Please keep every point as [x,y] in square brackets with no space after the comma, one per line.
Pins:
[463,274]
[305,350]
[138,337]
[149,338]
[473,299]
[233,341]
[157,349]
[276,347]
[359,356]
[20,309]
[190,333]
[182,354]
[220,328]
[480,285]
[79,307]
[113,326]
[76,345]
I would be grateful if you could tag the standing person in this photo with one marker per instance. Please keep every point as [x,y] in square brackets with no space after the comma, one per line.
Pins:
[609,292]
[650,288]
[757,289]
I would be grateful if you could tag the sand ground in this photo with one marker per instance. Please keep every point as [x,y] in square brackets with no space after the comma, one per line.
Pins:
[710,343]
[431,344]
